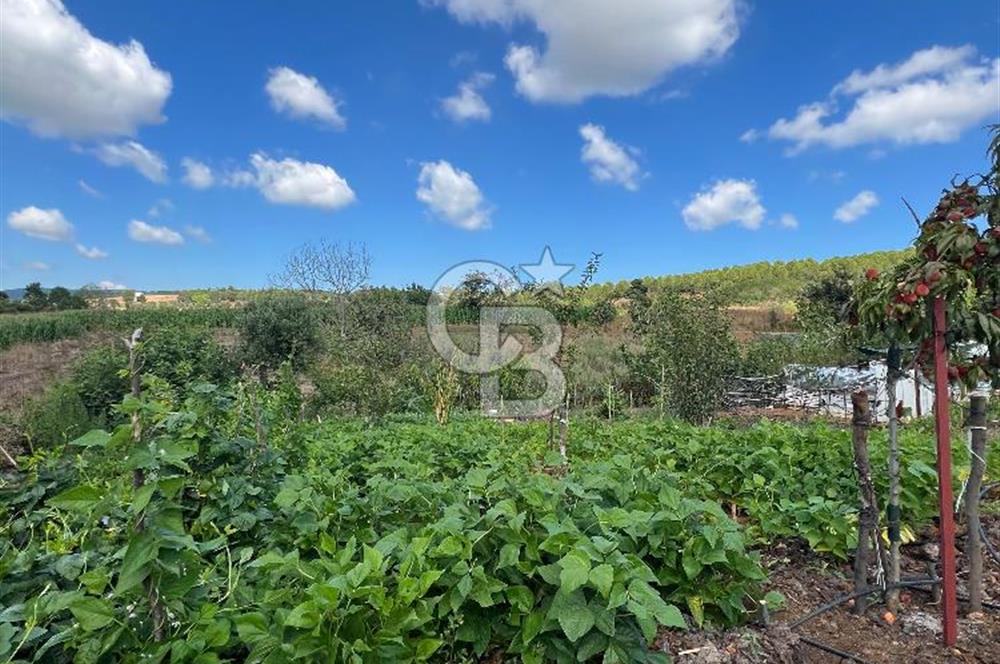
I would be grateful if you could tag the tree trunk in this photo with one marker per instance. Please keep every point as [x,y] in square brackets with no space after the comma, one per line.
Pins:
[868,532]
[894,513]
[973,544]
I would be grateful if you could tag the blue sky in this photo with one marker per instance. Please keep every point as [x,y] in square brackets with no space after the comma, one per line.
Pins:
[670,136]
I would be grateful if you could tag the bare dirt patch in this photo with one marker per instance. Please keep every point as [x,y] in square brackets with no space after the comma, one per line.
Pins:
[27,370]
[809,581]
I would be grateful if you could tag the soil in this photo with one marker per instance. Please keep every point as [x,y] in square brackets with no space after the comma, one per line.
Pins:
[27,370]
[808,581]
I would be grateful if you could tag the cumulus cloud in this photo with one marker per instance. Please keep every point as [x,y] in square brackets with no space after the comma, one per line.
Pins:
[37,266]
[198,233]
[93,253]
[452,195]
[596,47]
[608,161]
[140,231]
[725,202]
[60,80]
[136,155]
[197,175]
[293,182]
[467,103]
[47,224]
[931,97]
[301,96]
[857,207]
[108,285]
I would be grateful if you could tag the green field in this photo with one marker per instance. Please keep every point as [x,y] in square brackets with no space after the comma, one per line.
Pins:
[267,539]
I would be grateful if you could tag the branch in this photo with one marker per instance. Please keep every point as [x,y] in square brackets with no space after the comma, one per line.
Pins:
[912,211]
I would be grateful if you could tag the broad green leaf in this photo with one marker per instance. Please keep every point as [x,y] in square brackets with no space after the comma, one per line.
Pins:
[142,496]
[572,613]
[602,577]
[141,552]
[304,616]
[92,613]
[575,571]
[78,499]
[666,614]
[426,647]
[93,438]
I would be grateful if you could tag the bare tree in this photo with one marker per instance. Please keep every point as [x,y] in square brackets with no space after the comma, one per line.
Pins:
[326,266]
[332,267]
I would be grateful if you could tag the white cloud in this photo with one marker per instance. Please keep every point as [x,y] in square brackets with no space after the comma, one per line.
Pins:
[110,285]
[197,174]
[37,266]
[452,195]
[727,201]
[294,182]
[136,155]
[302,96]
[43,224]
[198,233]
[87,189]
[140,231]
[857,207]
[608,161]
[788,220]
[931,97]
[92,253]
[597,47]
[161,206]
[62,81]
[467,103]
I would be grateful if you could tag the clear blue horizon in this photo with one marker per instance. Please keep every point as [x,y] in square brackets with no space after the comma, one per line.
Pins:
[670,137]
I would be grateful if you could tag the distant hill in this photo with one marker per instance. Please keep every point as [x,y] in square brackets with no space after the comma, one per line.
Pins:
[15,293]
[766,281]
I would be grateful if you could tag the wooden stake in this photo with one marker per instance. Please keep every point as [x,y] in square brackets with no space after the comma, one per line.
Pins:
[893,512]
[973,544]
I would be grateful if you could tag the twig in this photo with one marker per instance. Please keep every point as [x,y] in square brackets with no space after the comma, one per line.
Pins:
[912,211]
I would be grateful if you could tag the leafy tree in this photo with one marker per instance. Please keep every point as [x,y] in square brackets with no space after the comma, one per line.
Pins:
[688,352]
[34,297]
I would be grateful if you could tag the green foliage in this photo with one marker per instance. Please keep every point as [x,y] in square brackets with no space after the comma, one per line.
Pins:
[409,541]
[55,418]
[688,352]
[52,326]
[277,329]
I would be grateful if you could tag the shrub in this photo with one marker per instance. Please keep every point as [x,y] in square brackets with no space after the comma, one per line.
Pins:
[56,418]
[276,329]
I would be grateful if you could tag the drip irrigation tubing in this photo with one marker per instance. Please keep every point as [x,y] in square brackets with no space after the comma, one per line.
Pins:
[915,583]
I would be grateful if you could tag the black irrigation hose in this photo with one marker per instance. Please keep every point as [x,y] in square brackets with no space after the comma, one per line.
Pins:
[871,590]
[843,654]
[917,583]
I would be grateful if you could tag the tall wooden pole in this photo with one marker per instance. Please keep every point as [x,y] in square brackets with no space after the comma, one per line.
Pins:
[949,611]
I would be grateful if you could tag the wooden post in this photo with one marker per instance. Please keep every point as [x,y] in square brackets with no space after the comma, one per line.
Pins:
[973,544]
[893,512]
[949,610]
[869,512]
[139,476]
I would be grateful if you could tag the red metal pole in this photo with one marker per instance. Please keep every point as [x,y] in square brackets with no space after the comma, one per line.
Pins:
[949,613]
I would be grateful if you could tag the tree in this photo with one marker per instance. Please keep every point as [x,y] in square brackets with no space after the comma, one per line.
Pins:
[276,329]
[339,269]
[34,297]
